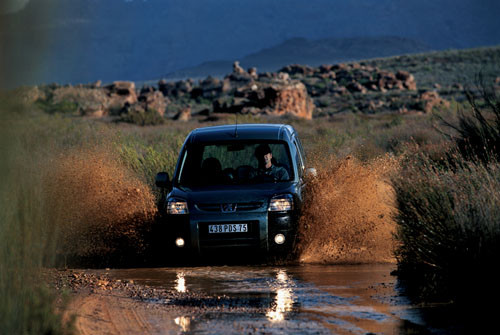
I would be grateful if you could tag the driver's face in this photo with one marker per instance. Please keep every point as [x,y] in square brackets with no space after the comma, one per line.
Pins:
[267,158]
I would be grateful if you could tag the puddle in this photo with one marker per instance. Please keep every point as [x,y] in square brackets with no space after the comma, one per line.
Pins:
[304,299]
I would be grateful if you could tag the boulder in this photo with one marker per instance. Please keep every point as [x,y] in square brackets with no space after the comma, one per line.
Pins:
[253,72]
[182,87]
[210,83]
[226,85]
[327,75]
[356,87]
[407,79]
[432,99]
[208,88]
[283,76]
[387,80]
[153,100]
[238,78]
[325,68]
[291,99]
[121,93]
[146,89]
[175,89]
[96,84]
[184,114]
[165,87]
[237,69]
[295,69]
[339,66]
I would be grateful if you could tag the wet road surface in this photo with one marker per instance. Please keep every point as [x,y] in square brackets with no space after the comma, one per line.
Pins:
[305,299]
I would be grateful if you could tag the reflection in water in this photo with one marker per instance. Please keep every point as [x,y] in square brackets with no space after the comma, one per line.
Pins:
[180,283]
[283,301]
[282,277]
[183,322]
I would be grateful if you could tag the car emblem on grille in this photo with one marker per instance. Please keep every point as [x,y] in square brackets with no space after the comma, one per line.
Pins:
[228,208]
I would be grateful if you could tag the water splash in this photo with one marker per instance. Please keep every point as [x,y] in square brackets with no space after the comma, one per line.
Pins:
[348,213]
[100,210]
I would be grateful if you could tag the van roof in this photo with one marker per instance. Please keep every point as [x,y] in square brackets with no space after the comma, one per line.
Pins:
[241,132]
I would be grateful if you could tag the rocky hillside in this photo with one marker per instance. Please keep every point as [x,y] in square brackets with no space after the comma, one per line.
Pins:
[297,91]
[404,84]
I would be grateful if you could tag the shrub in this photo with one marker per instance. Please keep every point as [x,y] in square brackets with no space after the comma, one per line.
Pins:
[141,117]
[478,132]
[64,107]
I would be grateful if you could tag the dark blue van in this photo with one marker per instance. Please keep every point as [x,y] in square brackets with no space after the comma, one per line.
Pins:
[235,186]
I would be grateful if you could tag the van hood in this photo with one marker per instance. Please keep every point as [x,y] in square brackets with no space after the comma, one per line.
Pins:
[232,193]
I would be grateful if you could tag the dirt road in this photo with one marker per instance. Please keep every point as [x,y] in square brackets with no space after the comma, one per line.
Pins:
[118,314]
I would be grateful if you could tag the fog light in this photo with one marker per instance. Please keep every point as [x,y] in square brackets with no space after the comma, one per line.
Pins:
[279,238]
[180,242]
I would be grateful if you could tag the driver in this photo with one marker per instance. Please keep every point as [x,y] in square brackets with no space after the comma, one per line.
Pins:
[266,167]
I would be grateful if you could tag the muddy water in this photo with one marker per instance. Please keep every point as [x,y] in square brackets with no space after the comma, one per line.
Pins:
[306,299]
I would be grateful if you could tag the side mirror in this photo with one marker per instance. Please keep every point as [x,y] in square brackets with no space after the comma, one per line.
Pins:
[311,172]
[162,180]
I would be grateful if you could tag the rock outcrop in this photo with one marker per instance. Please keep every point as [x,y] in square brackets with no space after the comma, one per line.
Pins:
[276,98]
[296,91]
[356,78]
[291,100]
[153,100]
[121,93]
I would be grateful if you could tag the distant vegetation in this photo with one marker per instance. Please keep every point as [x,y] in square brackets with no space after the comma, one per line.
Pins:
[451,70]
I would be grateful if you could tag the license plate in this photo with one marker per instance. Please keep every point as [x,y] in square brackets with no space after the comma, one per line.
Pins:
[228,228]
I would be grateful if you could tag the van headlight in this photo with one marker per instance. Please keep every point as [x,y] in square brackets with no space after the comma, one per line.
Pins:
[176,206]
[281,203]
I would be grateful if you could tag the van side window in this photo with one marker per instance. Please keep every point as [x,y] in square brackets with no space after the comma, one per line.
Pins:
[301,148]
[298,158]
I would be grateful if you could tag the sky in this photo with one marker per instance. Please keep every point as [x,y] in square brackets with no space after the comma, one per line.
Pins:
[77,41]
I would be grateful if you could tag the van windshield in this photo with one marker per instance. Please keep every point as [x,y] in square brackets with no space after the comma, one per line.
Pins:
[235,163]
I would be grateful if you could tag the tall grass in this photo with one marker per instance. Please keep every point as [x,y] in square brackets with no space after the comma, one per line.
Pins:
[478,132]
[448,228]
[449,211]
[146,155]
[26,237]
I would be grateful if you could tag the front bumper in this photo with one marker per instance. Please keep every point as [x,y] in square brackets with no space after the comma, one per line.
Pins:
[262,228]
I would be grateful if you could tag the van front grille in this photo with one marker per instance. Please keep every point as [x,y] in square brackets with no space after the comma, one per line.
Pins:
[238,207]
